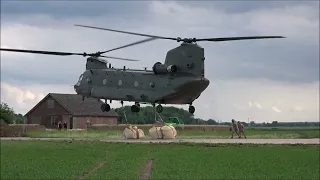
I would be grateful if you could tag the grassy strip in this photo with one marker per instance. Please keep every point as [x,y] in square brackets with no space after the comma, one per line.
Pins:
[68,159]
[250,133]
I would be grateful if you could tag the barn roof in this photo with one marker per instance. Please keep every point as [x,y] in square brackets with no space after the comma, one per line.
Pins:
[76,106]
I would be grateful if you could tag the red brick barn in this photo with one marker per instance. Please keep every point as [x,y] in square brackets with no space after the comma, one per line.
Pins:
[69,108]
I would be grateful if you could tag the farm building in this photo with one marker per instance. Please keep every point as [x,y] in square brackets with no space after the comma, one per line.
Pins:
[69,108]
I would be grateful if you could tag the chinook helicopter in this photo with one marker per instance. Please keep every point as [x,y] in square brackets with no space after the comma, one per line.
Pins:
[179,80]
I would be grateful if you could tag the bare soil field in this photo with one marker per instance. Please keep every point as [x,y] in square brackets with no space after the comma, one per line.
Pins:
[179,140]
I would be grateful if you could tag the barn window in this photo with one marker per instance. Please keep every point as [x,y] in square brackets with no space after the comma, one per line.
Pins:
[54,120]
[50,103]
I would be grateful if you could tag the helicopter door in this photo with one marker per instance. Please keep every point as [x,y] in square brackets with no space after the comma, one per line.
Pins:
[89,87]
[170,78]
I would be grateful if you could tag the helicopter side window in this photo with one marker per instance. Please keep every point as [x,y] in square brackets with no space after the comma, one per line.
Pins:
[81,76]
[80,79]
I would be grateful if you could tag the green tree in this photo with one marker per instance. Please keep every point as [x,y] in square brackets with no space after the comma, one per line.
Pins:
[212,122]
[19,118]
[7,113]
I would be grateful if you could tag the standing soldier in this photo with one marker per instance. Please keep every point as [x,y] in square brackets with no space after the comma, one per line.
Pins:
[59,125]
[241,129]
[88,123]
[65,126]
[235,128]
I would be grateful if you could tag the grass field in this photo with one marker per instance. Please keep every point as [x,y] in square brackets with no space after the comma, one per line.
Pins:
[71,159]
[283,132]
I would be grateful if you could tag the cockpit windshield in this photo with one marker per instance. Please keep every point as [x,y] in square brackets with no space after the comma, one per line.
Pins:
[80,79]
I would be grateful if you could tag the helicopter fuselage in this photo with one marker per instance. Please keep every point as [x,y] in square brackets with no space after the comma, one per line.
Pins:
[141,86]
[180,80]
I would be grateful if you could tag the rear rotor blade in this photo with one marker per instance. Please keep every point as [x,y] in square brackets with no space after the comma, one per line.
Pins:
[132,44]
[43,52]
[186,39]
[126,32]
[238,38]
[124,59]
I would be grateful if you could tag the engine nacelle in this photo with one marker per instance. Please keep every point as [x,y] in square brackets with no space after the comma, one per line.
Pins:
[96,63]
[159,68]
[172,68]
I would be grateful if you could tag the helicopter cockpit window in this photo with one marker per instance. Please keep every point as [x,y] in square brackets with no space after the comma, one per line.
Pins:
[89,80]
[80,79]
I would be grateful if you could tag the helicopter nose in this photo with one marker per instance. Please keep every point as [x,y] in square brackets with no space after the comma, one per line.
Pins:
[76,88]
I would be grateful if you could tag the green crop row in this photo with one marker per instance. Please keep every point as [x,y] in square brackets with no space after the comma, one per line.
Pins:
[70,159]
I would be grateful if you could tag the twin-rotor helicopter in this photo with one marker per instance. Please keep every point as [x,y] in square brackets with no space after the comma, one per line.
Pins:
[179,80]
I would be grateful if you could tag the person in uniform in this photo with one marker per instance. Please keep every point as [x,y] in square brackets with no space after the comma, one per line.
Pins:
[241,129]
[235,128]
[88,123]
[65,126]
[59,125]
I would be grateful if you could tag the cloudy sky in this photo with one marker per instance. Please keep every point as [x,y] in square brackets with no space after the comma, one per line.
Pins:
[264,80]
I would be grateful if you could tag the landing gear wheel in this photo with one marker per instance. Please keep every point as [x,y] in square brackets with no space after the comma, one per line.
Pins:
[159,108]
[135,108]
[105,107]
[192,109]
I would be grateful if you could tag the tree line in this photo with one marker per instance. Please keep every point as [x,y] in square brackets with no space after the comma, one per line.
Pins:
[147,116]
[9,116]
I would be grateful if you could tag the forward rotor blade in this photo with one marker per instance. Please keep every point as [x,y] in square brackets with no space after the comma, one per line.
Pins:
[43,52]
[60,53]
[124,59]
[238,38]
[126,32]
[132,44]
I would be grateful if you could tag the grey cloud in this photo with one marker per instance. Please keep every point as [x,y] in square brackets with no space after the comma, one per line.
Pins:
[294,59]
[293,63]
[63,77]
[61,9]
[245,6]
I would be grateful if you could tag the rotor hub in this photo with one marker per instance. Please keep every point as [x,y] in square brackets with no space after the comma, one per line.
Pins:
[186,40]
[97,54]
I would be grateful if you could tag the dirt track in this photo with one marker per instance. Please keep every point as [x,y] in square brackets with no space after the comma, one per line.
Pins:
[178,140]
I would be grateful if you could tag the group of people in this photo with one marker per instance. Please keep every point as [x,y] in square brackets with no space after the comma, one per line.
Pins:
[64,124]
[238,128]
